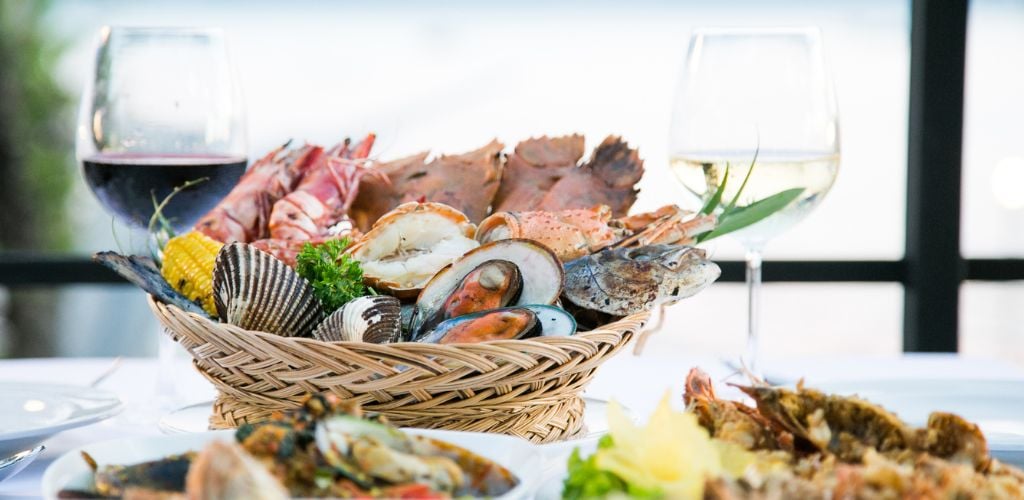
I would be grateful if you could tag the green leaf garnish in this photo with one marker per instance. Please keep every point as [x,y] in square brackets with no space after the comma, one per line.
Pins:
[587,480]
[743,185]
[716,199]
[755,212]
[335,276]
[160,228]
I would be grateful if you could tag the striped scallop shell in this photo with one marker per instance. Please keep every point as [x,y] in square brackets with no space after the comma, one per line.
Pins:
[255,291]
[375,319]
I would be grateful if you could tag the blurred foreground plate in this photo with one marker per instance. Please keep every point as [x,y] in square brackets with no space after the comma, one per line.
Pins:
[30,413]
[71,471]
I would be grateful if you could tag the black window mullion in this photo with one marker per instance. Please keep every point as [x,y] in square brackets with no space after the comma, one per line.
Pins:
[934,267]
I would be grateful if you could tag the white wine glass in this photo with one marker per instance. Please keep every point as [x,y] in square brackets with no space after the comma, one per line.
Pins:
[757,102]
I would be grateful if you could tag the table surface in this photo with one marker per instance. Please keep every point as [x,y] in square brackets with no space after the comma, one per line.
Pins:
[636,382]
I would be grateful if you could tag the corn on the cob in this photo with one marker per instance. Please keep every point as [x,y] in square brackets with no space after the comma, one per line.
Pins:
[188,267]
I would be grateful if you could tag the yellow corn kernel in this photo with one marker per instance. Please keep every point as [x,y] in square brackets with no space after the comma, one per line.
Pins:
[188,267]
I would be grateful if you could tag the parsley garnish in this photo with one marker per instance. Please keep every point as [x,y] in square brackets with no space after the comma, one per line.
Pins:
[336,277]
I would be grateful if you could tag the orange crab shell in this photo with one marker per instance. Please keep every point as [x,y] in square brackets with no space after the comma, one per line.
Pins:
[569,233]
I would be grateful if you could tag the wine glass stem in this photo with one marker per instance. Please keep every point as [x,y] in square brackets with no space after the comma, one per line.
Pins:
[753,307]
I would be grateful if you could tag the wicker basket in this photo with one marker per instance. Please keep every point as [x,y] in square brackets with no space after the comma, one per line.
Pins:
[527,388]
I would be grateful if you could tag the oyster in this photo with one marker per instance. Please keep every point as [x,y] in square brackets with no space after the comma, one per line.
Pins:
[408,245]
[498,324]
[255,291]
[493,284]
[626,281]
[375,319]
[541,276]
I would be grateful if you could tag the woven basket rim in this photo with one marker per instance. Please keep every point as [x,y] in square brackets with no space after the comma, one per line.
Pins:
[633,322]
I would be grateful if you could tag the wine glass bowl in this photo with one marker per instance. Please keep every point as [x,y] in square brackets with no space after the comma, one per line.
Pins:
[754,117]
[162,108]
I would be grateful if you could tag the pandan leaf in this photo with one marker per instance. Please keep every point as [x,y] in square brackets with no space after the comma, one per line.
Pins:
[755,212]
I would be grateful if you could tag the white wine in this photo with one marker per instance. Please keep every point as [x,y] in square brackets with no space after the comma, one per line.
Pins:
[774,172]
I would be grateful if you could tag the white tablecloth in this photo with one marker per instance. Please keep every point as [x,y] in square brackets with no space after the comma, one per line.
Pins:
[637,382]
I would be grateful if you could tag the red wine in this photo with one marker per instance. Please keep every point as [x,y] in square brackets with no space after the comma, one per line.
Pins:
[126,184]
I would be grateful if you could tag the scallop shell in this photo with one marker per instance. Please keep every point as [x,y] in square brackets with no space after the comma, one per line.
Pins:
[375,319]
[255,291]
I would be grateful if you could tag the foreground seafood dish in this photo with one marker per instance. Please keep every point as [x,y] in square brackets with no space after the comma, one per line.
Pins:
[329,244]
[326,449]
[793,443]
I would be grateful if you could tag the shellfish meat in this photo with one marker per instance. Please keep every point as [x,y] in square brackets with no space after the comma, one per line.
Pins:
[626,281]
[498,324]
[375,319]
[408,245]
[493,284]
[255,291]
[540,270]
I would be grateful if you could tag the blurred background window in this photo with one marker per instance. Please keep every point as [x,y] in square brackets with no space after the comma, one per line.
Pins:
[450,76]
[991,319]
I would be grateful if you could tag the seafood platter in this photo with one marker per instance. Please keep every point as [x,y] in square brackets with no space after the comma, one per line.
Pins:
[791,442]
[477,291]
[326,448]
[779,443]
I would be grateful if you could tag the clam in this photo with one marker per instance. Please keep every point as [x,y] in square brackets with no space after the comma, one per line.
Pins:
[375,319]
[409,244]
[492,284]
[255,291]
[499,324]
[540,275]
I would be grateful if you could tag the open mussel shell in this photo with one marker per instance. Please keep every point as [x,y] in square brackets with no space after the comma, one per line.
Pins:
[255,291]
[540,274]
[553,321]
[508,323]
[491,285]
[142,272]
[362,450]
[375,319]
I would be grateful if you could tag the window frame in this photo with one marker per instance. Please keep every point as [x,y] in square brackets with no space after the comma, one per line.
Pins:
[932,269]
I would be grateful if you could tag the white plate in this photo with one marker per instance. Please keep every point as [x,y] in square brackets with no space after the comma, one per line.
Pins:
[70,470]
[997,406]
[30,412]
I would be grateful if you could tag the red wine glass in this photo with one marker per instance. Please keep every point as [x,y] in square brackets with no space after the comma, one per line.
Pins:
[161,111]
[161,122]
